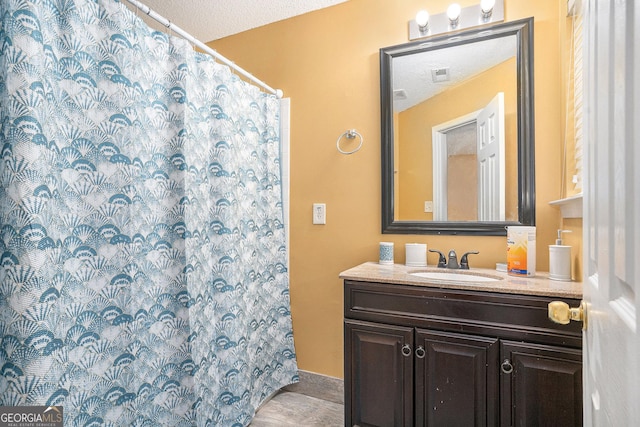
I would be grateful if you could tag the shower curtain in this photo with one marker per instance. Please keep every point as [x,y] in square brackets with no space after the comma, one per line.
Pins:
[143,267]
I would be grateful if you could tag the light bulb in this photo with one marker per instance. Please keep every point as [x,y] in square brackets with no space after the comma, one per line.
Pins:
[422,19]
[453,12]
[487,5]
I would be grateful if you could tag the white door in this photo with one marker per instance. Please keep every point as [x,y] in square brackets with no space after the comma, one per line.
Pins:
[612,213]
[491,170]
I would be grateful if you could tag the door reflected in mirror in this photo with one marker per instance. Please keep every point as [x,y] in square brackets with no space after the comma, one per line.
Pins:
[457,123]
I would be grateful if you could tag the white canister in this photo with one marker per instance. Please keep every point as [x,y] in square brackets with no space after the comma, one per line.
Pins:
[386,253]
[560,262]
[415,254]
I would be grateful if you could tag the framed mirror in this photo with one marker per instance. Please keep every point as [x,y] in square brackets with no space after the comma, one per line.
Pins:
[458,132]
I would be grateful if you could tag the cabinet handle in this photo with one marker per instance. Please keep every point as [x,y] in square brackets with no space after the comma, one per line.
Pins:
[506,366]
[420,353]
[406,350]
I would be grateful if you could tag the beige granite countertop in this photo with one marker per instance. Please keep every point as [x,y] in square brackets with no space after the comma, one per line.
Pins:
[540,284]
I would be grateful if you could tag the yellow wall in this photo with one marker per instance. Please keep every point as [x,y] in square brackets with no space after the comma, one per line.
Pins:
[416,150]
[327,63]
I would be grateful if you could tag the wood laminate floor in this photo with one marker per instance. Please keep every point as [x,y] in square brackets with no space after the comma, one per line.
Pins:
[294,409]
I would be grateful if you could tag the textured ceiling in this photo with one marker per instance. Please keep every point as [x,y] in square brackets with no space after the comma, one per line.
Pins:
[209,20]
[412,74]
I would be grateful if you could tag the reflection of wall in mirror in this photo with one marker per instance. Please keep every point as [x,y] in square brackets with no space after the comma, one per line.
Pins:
[412,128]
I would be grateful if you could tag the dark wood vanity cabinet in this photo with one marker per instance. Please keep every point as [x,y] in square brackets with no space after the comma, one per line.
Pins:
[455,382]
[545,387]
[420,356]
[379,376]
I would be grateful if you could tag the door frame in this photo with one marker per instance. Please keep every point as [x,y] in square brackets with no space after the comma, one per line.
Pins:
[439,149]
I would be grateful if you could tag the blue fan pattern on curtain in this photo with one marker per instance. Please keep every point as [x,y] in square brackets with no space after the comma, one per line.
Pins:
[143,276]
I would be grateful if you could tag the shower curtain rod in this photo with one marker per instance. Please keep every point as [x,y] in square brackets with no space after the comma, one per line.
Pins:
[164,21]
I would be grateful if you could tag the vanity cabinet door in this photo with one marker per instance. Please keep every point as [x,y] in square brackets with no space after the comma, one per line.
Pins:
[456,379]
[540,385]
[378,374]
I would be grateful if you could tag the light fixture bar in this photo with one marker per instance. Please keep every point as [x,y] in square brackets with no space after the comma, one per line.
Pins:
[470,16]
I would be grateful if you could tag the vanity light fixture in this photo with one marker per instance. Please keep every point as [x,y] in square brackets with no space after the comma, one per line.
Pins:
[422,19]
[486,7]
[456,18]
[453,13]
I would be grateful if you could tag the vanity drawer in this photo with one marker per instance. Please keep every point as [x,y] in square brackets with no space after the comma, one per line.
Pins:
[508,316]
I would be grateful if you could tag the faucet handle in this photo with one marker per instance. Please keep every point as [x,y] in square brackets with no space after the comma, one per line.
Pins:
[442,262]
[464,262]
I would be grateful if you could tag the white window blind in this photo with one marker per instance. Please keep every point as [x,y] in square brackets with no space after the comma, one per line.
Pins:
[576,82]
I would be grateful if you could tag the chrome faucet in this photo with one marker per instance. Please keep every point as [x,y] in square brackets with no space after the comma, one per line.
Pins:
[453,260]
[452,263]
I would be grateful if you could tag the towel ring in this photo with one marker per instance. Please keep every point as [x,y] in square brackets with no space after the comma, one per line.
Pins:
[350,134]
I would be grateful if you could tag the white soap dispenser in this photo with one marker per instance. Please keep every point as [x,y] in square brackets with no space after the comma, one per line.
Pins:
[560,259]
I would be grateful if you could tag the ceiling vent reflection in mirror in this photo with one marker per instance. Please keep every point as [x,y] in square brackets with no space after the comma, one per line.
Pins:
[399,94]
[456,18]
[440,74]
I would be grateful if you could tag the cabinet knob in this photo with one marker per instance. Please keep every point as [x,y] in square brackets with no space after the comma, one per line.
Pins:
[560,312]
[406,350]
[506,366]
[420,353]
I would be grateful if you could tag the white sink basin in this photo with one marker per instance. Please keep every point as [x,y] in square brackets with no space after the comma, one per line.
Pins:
[455,277]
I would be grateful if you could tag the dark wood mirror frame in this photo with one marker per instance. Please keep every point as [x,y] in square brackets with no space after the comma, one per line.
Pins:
[523,30]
